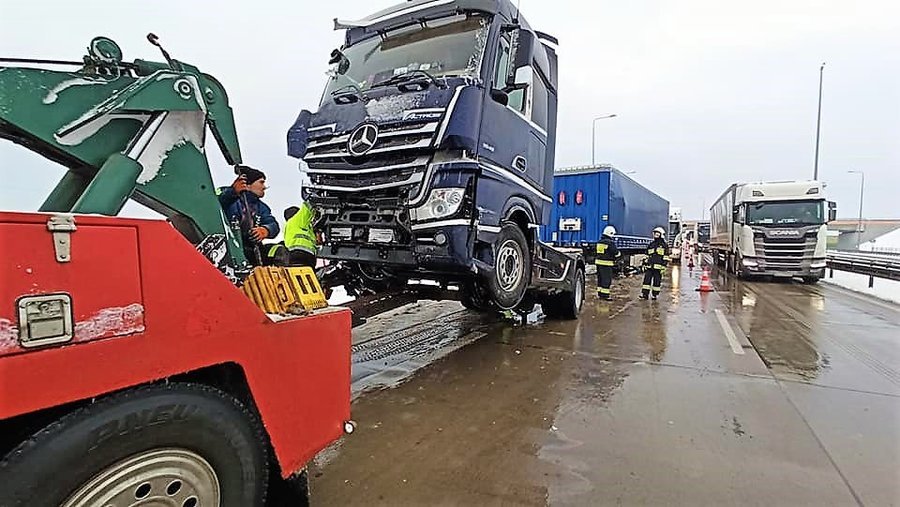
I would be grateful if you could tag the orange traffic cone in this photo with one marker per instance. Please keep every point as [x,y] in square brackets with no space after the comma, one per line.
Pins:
[705,285]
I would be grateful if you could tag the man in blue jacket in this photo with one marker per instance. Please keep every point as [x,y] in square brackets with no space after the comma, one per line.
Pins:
[242,202]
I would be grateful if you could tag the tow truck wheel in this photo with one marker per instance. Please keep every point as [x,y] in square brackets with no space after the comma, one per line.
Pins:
[184,445]
[512,265]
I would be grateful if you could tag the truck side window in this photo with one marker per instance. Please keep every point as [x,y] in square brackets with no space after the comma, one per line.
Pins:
[520,100]
[502,67]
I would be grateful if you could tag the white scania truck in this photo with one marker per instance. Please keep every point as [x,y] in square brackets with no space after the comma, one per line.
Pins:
[775,229]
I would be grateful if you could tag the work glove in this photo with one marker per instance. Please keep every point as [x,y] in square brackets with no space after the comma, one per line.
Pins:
[240,184]
[259,233]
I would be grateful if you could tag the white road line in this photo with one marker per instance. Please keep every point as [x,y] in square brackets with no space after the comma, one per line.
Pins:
[729,333]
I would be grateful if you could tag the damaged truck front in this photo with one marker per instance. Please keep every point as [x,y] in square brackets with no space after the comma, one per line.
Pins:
[432,150]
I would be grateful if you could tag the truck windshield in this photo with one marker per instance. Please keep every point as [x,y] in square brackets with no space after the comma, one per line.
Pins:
[674,229]
[703,233]
[786,213]
[442,47]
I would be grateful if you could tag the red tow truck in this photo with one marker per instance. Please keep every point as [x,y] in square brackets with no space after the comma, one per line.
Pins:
[134,370]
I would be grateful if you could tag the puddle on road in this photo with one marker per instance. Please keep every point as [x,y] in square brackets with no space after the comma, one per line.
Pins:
[478,426]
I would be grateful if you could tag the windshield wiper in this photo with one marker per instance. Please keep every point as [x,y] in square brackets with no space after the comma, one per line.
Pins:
[407,76]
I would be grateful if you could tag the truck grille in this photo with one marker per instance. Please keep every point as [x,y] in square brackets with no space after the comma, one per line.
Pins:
[785,254]
[397,161]
[391,138]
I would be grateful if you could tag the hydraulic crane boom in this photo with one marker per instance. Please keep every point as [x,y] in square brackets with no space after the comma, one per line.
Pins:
[128,130]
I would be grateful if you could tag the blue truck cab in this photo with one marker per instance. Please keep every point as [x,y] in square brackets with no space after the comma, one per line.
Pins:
[432,149]
[588,198]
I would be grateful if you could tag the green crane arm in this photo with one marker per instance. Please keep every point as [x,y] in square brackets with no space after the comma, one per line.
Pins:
[128,130]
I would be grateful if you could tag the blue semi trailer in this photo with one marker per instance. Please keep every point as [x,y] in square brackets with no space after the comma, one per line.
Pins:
[431,155]
[588,198]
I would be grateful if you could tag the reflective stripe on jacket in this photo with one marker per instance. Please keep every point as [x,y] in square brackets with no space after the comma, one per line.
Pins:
[658,251]
[607,253]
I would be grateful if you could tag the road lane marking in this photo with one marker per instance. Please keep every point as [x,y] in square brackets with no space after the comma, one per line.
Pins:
[729,333]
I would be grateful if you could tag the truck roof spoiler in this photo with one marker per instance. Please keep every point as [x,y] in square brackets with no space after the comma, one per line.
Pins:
[391,12]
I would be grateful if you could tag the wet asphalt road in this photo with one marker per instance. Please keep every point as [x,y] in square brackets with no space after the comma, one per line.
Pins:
[635,403]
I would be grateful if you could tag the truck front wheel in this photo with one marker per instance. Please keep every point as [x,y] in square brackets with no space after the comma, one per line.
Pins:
[512,266]
[174,444]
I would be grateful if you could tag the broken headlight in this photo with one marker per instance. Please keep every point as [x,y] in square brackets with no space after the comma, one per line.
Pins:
[441,202]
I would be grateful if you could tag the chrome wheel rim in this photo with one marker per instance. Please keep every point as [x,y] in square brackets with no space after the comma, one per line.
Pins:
[509,265]
[158,478]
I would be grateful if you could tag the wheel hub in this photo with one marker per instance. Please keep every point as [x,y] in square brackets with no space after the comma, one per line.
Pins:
[509,265]
[158,478]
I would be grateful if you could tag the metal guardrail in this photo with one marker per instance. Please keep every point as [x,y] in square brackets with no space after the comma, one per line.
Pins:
[875,265]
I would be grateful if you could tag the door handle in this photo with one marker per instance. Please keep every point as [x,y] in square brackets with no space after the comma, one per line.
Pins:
[520,163]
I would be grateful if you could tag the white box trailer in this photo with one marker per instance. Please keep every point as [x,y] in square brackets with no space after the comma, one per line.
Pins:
[777,229]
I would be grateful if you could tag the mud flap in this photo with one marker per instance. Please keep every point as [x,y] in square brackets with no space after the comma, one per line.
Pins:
[285,291]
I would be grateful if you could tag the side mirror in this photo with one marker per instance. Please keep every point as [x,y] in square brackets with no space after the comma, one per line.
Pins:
[500,96]
[524,77]
[343,63]
[832,211]
[523,43]
[735,214]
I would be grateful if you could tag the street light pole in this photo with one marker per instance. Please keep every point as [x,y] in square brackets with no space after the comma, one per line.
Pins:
[594,136]
[818,123]
[859,226]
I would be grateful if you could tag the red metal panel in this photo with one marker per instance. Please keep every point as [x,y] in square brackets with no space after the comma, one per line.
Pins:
[298,369]
[105,289]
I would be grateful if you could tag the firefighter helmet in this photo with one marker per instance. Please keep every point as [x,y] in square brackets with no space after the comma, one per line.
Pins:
[609,231]
[660,230]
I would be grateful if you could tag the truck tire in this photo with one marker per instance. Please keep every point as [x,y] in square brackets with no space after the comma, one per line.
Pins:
[474,297]
[376,278]
[738,267]
[179,444]
[566,305]
[512,267]
[811,280]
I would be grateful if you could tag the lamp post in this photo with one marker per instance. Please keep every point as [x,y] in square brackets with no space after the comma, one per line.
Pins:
[594,135]
[818,123]
[862,185]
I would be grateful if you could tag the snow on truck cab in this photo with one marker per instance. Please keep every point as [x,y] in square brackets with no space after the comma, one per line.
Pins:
[431,152]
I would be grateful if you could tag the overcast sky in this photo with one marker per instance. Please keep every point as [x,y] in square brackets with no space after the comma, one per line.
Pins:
[707,92]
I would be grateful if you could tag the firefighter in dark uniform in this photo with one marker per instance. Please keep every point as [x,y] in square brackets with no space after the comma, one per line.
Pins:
[607,253]
[658,255]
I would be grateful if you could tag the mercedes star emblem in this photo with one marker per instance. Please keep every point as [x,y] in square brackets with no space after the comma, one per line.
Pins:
[362,139]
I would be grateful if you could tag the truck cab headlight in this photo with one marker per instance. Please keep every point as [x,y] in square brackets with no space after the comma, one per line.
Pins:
[750,263]
[441,202]
[818,265]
